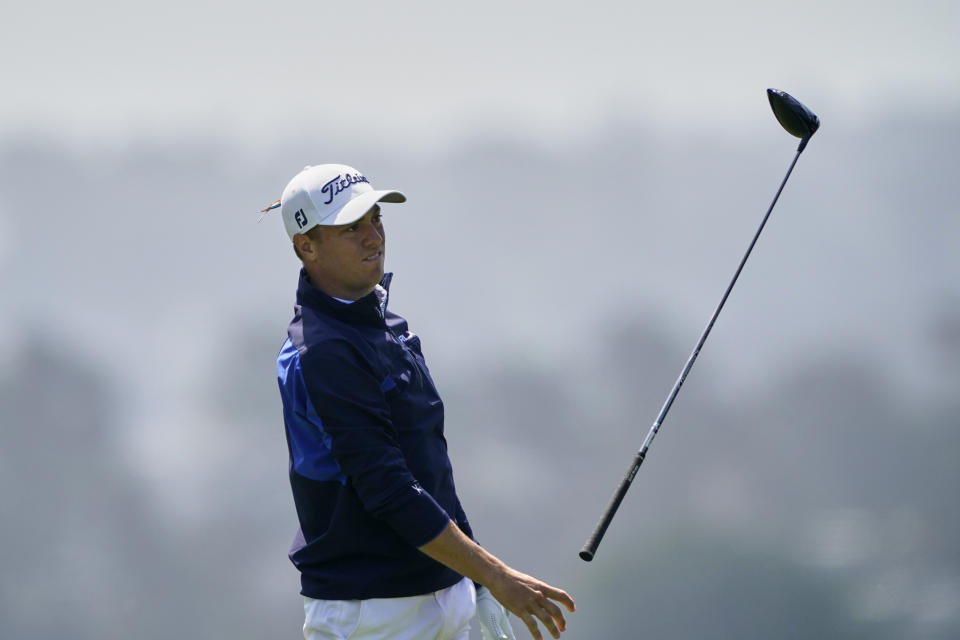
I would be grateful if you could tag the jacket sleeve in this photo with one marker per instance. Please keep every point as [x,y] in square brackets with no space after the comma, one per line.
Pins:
[349,399]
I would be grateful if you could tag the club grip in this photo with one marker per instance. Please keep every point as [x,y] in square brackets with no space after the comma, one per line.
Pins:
[590,548]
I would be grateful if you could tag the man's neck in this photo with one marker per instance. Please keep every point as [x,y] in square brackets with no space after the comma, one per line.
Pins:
[335,292]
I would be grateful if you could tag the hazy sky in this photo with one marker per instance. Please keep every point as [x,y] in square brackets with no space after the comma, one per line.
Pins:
[421,72]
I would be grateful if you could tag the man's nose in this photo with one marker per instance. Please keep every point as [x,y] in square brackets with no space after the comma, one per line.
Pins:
[371,235]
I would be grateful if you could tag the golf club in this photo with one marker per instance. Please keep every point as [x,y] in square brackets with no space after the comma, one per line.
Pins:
[802,123]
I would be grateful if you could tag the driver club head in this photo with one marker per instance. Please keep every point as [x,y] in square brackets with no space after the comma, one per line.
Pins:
[792,114]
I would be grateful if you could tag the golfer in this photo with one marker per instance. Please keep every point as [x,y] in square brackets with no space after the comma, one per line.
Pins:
[384,548]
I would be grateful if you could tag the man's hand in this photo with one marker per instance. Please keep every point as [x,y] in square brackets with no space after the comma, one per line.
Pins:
[524,596]
[531,600]
[494,620]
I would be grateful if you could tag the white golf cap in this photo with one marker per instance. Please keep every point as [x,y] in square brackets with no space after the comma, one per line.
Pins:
[329,195]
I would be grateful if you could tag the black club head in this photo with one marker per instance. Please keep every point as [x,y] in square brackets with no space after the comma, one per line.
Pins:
[792,114]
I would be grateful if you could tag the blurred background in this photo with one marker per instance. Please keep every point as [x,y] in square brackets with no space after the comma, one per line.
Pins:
[582,181]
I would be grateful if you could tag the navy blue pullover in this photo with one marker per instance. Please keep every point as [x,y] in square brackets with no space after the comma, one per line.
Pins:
[369,468]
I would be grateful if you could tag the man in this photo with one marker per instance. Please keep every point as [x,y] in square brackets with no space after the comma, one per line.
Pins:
[384,547]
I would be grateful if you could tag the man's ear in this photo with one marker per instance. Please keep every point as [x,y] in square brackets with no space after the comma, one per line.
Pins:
[305,246]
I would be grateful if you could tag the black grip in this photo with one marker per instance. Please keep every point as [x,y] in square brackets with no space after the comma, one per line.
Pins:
[590,548]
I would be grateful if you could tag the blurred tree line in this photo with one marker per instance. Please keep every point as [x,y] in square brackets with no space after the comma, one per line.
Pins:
[819,504]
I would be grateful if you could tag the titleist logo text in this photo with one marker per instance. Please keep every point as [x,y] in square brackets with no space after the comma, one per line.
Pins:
[340,183]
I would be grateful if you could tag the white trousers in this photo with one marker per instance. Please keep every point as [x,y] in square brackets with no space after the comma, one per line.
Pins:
[441,615]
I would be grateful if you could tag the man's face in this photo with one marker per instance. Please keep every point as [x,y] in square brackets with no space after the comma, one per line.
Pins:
[346,261]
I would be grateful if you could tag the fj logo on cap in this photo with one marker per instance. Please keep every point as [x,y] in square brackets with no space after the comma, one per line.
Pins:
[301,218]
[340,183]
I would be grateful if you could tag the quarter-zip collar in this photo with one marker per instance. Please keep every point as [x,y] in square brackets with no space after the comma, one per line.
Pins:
[370,309]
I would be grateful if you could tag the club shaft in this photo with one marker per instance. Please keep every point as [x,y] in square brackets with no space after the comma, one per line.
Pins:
[590,548]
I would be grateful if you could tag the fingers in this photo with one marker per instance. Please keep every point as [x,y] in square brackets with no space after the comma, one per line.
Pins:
[560,596]
[531,623]
[549,615]
[532,601]
[549,622]
[554,614]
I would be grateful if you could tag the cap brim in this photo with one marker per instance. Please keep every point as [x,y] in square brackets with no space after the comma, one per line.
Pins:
[359,206]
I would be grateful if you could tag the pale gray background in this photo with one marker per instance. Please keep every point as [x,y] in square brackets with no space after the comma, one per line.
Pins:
[582,180]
